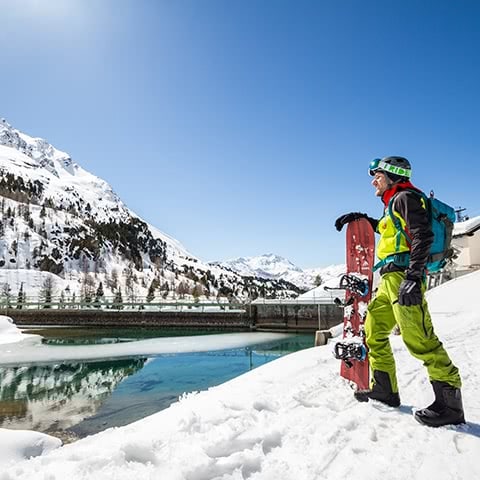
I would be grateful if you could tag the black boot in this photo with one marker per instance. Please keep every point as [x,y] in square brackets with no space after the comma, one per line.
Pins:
[381,391]
[447,409]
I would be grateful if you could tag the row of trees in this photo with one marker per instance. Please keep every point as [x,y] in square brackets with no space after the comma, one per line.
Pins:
[93,294]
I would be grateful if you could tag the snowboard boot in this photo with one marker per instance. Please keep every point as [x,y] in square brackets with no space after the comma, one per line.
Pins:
[447,409]
[381,391]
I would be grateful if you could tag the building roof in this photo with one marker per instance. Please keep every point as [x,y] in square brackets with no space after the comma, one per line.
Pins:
[468,227]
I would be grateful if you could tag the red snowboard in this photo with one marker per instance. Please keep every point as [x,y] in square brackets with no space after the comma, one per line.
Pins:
[360,260]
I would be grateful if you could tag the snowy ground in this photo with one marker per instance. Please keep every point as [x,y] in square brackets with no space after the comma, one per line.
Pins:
[291,419]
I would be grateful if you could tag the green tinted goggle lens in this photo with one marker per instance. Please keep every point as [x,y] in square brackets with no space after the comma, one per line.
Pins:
[374,166]
[380,165]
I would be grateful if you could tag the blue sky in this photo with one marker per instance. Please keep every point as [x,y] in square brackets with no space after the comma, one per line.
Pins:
[244,127]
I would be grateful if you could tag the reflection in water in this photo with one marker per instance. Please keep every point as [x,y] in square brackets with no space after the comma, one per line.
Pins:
[55,397]
[84,398]
[163,380]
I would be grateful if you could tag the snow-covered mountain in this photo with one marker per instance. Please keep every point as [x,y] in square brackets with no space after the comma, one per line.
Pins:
[270,266]
[56,217]
[265,266]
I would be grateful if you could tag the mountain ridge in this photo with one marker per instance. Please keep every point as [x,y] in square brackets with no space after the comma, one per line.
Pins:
[272,266]
[57,217]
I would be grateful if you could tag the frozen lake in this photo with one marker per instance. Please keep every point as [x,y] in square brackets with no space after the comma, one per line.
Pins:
[80,397]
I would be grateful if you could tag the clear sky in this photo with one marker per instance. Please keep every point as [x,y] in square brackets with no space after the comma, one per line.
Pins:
[245,127]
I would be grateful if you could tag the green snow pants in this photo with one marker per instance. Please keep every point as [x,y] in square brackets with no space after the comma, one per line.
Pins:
[417,332]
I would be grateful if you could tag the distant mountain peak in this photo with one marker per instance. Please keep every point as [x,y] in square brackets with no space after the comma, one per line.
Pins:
[272,266]
[43,153]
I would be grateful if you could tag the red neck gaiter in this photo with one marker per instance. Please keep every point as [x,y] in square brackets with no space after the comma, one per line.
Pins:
[397,187]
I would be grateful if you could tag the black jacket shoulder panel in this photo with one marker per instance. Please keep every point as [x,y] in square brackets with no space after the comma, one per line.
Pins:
[411,207]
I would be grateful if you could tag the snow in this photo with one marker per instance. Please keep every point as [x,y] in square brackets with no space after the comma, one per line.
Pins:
[32,281]
[19,444]
[270,266]
[265,266]
[293,418]
[463,228]
[9,333]
[74,198]
[60,185]
[54,220]
[331,279]
[34,351]
[65,183]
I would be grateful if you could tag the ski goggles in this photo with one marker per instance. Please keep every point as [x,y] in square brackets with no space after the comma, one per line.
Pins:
[378,165]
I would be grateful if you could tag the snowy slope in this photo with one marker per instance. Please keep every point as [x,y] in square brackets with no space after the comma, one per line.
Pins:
[56,217]
[293,418]
[64,181]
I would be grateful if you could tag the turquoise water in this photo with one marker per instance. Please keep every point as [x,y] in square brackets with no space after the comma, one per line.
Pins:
[85,398]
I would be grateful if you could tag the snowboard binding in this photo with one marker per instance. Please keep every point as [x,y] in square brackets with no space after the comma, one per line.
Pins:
[357,286]
[348,351]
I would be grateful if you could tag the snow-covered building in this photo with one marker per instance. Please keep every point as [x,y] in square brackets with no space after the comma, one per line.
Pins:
[466,238]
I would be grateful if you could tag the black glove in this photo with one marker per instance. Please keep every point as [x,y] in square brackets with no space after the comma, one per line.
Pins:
[410,293]
[350,217]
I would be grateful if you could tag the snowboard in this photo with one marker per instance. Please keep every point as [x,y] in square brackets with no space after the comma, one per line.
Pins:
[357,283]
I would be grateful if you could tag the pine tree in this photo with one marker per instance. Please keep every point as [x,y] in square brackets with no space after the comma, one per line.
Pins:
[99,294]
[88,288]
[26,213]
[113,280]
[61,303]
[197,292]
[46,292]
[6,293]
[20,297]
[118,300]
[151,291]
[129,282]
[182,289]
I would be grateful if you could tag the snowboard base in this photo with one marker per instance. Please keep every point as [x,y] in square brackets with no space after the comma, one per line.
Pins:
[357,283]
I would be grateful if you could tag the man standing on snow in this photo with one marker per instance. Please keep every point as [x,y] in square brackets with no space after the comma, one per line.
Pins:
[400,297]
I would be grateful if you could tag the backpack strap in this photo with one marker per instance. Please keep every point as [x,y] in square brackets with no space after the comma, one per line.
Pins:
[399,259]
[396,221]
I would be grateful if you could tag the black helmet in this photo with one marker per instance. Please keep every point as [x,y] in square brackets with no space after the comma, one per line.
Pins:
[396,168]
